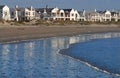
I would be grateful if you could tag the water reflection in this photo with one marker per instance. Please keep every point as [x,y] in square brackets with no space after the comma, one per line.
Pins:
[40,59]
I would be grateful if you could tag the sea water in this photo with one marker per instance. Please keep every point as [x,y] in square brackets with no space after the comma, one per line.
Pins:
[41,58]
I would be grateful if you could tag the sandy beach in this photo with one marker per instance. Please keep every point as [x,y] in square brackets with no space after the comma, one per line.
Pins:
[18,33]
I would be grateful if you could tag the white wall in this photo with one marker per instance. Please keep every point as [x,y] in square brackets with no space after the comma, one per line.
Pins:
[6,13]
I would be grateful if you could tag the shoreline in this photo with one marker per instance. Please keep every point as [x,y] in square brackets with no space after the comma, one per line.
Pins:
[23,33]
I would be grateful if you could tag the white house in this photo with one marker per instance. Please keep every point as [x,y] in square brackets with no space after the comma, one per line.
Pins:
[20,14]
[82,15]
[64,14]
[71,14]
[98,16]
[115,16]
[29,13]
[106,16]
[58,14]
[4,12]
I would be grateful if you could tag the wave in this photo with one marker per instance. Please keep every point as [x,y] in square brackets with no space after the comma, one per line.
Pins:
[62,52]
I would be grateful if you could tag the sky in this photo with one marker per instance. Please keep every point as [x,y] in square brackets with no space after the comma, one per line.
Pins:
[76,4]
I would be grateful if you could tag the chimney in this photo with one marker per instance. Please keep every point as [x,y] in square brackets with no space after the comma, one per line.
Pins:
[16,6]
[46,6]
[95,10]
[31,8]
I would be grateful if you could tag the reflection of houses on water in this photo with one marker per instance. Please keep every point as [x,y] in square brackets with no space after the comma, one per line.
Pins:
[29,48]
[86,37]
[60,43]
[80,38]
[107,35]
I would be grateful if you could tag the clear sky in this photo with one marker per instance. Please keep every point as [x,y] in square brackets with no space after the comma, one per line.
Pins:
[76,4]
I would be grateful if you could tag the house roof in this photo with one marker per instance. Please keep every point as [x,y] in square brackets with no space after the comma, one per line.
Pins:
[39,10]
[48,10]
[91,12]
[29,8]
[112,13]
[67,10]
[1,6]
[19,9]
[80,13]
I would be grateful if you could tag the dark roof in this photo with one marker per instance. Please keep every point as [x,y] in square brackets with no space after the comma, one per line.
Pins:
[30,8]
[80,12]
[112,13]
[67,10]
[19,9]
[48,10]
[40,10]
[1,6]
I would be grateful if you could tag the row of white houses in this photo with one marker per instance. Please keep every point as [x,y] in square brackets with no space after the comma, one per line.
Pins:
[30,13]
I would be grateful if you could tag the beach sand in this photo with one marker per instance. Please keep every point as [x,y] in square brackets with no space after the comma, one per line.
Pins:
[18,33]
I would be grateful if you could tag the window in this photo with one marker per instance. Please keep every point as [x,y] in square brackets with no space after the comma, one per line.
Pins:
[12,13]
[33,13]
[29,13]
[61,14]
[72,14]
[26,13]
[5,13]
[76,15]
[23,13]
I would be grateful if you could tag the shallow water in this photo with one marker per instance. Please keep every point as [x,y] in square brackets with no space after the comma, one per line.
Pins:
[41,59]
[101,53]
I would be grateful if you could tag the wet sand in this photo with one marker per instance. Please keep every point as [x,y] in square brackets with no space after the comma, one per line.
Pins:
[19,33]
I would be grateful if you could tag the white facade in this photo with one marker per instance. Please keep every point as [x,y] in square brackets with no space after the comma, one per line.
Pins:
[64,14]
[4,12]
[20,14]
[106,16]
[30,13]
[74,15]
[99,16]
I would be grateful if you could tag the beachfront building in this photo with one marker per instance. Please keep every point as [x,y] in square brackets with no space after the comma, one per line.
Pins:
[106,16]
[58,14]
[115,16]
[100,16]
[64,14]
[29,13]
[82,15]
[22,14]
[4,12]
[71,14]
[93,16]
[44,13]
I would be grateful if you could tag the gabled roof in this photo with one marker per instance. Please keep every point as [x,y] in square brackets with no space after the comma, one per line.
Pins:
[1,6]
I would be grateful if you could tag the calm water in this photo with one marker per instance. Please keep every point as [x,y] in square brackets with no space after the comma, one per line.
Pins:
[40,58]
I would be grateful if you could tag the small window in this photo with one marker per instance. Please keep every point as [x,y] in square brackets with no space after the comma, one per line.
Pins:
[72,14]
[5,13]
[33,13]
[26,13]
[29,13]
[61,14]
[12,13]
